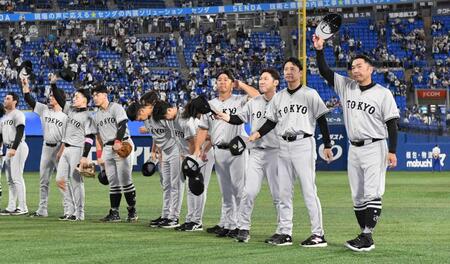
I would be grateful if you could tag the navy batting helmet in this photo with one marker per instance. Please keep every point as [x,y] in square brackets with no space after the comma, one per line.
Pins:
[149,168]
[190,166]
[196,185]
[102,178]
[329,25]
[237,146]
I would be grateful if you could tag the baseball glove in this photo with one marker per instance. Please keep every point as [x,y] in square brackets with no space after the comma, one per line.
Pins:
[88,171]
[125,150]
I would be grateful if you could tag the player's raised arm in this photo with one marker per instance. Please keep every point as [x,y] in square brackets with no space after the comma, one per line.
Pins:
[26,92]
[60,98]
[324,70]
[250,90]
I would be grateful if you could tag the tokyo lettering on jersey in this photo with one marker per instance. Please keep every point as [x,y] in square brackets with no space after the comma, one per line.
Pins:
[182,130]
[365,112]
[296,114]
[53,123]
[79,124]
[161,134]
[9,123]
[106,121]
[221,132]
[254,111]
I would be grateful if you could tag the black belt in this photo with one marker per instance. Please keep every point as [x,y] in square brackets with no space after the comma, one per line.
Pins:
[111,142]
[51,144]
[294,138]
[223,146]
[68,145]
[364,142]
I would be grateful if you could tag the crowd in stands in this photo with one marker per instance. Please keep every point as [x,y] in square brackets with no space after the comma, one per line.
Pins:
[130,63]
[245,51]
[421,119]
[7,5]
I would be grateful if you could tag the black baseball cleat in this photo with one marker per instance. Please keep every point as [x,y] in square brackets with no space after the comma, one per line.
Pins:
[63,217]
[271,239]
[132,214]
[282,240]
[169,223]
[192,226]
[73,218]
[214,229]
[113,216]
[314,241]
[155,222]
[223,232]
[19,212]
[363,242]
[37,215]
[233,233]
[182,227]
[243,236]
[5,212]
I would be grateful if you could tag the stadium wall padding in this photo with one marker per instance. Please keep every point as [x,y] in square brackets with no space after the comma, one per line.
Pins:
[413,151]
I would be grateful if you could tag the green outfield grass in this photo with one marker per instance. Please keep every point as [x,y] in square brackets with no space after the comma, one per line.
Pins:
[415,227]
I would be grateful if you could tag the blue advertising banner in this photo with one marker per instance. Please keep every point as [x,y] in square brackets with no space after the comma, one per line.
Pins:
[340,149]
[411,156]
[210,10]
[418,157]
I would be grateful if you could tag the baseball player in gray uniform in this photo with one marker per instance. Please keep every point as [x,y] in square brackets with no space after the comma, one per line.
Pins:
[262,161]
[162,139]
[169,164]
[196,204]
[110,120]
[184,129]
[53,122]
[230,169]
[294,112]
[78,138]
[370,117]
[2,152]
[12,135]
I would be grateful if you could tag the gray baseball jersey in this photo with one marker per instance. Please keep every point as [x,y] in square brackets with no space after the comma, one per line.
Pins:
[221,132]
[365,113]
[296,114]
[161,134]
[53,123]
[254,112]
[106,121]
[182,130]
[9,123]
[79,124]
